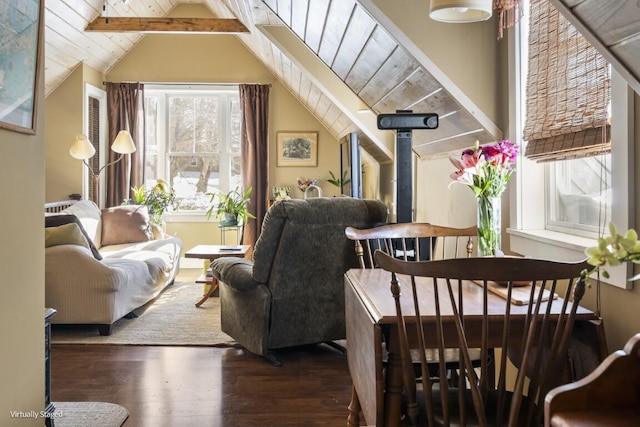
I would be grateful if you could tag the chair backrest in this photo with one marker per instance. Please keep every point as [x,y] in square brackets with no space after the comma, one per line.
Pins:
[413,242]
[459,296]
[610,393]
[301,257]
[300,234]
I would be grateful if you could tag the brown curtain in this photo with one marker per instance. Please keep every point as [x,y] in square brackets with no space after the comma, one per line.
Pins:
[254,131]
[125,107]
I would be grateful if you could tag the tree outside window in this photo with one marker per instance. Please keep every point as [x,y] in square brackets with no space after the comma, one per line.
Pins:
[193,141]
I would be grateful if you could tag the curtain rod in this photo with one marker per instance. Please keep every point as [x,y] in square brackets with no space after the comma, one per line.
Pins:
[191,84]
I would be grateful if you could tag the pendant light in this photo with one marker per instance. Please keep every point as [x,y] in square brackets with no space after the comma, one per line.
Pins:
[460,11]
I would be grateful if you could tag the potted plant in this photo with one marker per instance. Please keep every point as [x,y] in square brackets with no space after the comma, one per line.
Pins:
[340,181]
[231,208]
[158,200]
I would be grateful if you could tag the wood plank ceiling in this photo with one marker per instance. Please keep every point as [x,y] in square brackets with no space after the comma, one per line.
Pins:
[613,27]
[380,71]
[346,38]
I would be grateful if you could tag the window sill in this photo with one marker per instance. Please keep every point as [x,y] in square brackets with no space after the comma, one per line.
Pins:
[557,246]
[195,216]
[548,244]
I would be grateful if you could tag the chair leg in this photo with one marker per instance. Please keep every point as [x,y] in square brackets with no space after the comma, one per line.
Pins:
[342,349]
[271,357]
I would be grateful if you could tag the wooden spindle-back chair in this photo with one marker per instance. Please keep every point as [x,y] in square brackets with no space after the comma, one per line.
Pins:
[418,242]
[609,396]
[538,332]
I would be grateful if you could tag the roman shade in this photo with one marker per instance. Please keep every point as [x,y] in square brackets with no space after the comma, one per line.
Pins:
[568,90]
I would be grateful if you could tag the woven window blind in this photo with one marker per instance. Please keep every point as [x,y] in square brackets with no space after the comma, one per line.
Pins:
[568,90]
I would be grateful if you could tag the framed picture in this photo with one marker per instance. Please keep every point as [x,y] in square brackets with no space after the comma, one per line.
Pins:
[297,148]
[21,34]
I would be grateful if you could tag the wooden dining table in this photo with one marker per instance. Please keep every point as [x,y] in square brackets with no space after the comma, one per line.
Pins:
[370,315]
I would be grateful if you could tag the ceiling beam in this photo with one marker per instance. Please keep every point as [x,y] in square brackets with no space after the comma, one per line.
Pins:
[167,25]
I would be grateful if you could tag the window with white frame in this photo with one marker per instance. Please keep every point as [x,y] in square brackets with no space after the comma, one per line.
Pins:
[567,135]
[531,231]
[193,141]
[579,195]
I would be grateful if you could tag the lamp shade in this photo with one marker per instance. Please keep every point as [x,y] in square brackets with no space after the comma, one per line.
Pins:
[81,148]
[460,11]
[123,144]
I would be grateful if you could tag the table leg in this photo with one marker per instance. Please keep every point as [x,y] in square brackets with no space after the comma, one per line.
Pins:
[393,390]
[353,419]
[212,289]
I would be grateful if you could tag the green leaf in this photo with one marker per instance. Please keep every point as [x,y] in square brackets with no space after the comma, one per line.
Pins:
[338,182]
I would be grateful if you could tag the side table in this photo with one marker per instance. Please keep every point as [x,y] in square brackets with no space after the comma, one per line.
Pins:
[209,253]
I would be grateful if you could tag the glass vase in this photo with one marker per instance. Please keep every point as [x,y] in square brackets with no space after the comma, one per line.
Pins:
[489,230]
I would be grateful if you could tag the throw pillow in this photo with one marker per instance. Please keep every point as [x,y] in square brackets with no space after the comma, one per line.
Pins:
[61,219]
[125,224]
[67,234]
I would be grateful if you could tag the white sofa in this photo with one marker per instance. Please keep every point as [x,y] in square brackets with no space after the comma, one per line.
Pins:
[136,264]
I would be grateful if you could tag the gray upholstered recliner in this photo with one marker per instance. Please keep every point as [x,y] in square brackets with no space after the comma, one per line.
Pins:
[293,292]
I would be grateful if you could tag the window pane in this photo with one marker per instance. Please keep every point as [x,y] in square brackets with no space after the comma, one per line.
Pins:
[192,177]
[234,144]
[193,124]
[196,142]
[581,193]
[236,172]
[151,141]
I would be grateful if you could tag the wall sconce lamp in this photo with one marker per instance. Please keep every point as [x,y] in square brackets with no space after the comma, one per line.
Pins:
[460,11]
[82,149]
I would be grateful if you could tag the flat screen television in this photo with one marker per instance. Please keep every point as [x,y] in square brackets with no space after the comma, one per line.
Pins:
[350,162]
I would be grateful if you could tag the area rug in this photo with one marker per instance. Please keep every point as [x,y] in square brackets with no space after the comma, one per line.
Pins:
[89,414]
[170,319]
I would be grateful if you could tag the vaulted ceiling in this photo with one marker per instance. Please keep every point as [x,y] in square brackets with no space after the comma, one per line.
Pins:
[317,48]
[345,48]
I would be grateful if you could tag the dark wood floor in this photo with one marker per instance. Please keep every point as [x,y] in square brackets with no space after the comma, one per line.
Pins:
[204,386]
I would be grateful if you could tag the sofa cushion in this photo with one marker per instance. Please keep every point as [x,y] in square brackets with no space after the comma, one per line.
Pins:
[167,249]
[161,257]
[62,219]
[126,224]
[66,234]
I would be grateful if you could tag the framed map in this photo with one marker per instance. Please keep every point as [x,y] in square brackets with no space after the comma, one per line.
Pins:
[20,44]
